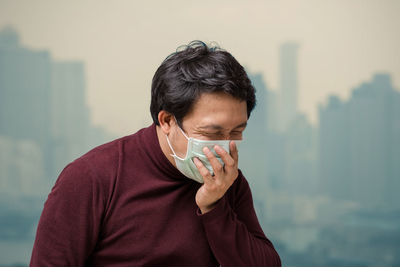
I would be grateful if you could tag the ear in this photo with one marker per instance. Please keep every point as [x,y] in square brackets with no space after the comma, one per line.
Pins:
[166,120]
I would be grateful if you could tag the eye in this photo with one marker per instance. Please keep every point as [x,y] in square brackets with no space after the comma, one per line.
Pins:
[213,135]
[236,134]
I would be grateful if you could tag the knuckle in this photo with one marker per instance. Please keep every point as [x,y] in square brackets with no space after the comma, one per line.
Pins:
[230,163]
[223,151]
[218,168]
[220,150]
[204,172]
[218,185]
[209,155]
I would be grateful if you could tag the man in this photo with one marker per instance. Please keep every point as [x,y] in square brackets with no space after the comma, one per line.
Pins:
[170,194]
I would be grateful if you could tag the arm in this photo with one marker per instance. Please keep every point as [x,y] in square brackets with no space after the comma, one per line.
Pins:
[233,231]
[232,228]
[70,222]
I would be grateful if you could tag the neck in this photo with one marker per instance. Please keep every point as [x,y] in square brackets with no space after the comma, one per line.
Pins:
[162,139]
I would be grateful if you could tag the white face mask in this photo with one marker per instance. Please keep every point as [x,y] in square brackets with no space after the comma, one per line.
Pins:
[195,149]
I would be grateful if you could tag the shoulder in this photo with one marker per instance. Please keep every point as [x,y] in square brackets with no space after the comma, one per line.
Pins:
[99,166]
[93,168]
[105,156]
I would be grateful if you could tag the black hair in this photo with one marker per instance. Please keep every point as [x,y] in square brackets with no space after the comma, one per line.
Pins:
[195,69]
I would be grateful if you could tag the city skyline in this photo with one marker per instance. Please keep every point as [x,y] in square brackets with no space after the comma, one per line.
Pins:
[341,44]
[45,124]
[44,117]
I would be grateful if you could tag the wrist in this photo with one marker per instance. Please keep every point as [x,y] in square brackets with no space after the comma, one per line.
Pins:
[207,208]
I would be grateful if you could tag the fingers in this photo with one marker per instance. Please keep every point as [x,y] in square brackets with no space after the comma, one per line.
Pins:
[228,169]
[234,151]
[203,170]
[230,160]
[219,170]
[215,163]
[225,156]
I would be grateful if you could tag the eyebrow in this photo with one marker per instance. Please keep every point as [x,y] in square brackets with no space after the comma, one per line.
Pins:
[219,128]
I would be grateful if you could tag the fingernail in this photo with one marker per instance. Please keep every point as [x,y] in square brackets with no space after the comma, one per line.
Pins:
[206,150]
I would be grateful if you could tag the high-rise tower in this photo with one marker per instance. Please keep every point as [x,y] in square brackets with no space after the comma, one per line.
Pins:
[288,83]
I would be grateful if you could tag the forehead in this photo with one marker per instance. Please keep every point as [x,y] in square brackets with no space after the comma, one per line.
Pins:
[217,109]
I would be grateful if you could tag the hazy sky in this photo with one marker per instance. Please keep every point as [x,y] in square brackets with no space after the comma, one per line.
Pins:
[342,43]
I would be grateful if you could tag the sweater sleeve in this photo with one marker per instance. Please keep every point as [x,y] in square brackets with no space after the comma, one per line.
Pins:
[70,221]
[234,233]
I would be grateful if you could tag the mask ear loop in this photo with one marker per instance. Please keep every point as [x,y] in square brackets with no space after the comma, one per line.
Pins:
[181,129]
[183,133]
[170,146]
[169,143]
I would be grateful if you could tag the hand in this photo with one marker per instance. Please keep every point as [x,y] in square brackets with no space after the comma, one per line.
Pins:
[215,187]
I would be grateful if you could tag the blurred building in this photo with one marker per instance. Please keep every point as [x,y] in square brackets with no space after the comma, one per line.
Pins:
[273,107]
[288,83]
[25,94]
[21,168]
[292,139]
[70,116]
[73,134]
[300,156]
[44,118]
[359,146]
[253,149]
[334,149]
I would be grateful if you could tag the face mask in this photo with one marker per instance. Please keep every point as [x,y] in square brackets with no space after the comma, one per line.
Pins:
[195,149]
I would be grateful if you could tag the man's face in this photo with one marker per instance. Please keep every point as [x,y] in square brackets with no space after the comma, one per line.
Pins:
[214,116]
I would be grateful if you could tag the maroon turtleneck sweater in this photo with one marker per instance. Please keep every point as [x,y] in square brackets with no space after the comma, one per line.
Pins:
[124,204]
